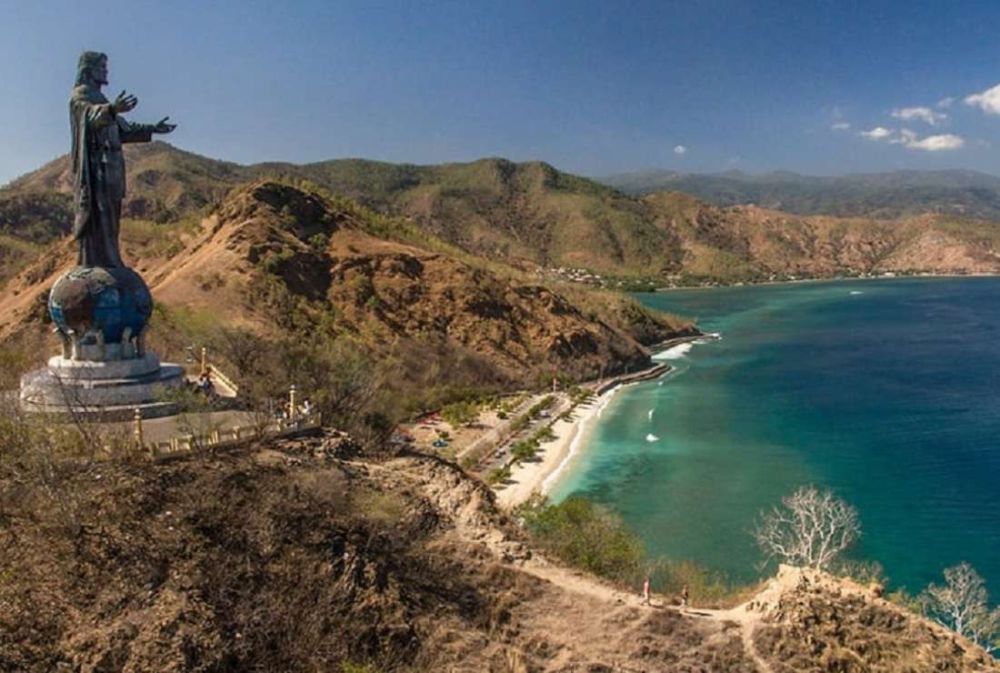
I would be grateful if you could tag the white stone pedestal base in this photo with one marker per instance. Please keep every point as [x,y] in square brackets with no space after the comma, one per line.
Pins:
[102,389]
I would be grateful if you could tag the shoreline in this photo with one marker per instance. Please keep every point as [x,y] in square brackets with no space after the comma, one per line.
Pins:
[837,279]
[530,477]
[538,476]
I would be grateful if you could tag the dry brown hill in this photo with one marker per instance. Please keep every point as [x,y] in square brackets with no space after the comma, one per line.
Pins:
[745,243]
[280,260]
[300,556]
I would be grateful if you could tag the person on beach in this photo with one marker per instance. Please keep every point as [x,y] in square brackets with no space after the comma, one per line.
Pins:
[645,592]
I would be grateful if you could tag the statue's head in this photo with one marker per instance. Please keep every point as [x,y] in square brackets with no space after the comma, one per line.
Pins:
[92,67]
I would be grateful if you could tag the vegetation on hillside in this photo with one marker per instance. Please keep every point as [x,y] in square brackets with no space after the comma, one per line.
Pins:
[587,536]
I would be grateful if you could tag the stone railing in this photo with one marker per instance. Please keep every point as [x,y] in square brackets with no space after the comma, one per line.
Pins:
[232,437]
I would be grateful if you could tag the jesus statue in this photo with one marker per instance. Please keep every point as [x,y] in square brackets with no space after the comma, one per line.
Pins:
[98,165]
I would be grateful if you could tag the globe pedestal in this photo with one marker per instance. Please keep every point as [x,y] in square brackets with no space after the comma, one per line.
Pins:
[104,370]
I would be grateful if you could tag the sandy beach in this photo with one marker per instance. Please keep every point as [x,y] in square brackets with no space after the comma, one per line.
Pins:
[571,434]
[553,456]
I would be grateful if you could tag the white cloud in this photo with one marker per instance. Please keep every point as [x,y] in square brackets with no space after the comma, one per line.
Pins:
[877,133]
[988,101]
[840,126]
[924,114]
[909,139]
[945,141]
[945,102]
[680,150]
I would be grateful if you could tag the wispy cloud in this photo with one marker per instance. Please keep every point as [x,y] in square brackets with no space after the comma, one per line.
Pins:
[840,126]
[877,133]
[988,101]
[924,114]
[909,139]
[939,143]
[680,150]
[945,102]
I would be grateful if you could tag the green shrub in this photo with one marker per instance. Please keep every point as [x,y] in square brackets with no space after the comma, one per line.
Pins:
[460,413]
[524,450]
[586,536]
[704,587]
[498,475]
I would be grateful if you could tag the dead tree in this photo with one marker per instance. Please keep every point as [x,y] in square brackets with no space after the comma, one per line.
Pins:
[809,529]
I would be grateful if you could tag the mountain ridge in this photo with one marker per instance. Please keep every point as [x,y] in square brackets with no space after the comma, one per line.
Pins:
[532,215]
[880,194]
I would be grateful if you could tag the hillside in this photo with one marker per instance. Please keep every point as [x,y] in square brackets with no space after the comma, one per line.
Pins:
[300,555]
[877,195]
[534,216]
[749,243]
[490,207]
[280,261]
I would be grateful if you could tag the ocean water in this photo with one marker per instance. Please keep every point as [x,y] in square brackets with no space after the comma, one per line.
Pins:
[886,391]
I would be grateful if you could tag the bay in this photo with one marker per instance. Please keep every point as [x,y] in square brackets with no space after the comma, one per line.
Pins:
[887,392]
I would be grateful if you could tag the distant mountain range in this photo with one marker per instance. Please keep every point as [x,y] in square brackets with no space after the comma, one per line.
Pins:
[877,195]
[553,224]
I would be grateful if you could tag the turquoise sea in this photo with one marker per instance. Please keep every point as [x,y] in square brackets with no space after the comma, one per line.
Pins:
[886,391]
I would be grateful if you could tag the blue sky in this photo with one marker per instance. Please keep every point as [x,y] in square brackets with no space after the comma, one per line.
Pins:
[591,87]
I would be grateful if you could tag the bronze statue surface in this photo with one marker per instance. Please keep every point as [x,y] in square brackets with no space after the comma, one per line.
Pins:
[99,130]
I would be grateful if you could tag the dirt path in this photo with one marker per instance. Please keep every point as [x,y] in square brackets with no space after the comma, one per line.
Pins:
[580,584]
[747,615]
[620,612]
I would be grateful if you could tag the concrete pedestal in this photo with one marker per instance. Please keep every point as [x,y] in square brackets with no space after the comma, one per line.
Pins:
[102,389]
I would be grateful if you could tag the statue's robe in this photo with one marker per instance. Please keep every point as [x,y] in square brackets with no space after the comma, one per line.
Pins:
[99,173]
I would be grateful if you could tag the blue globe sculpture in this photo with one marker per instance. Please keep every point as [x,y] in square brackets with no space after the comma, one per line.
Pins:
[91,300]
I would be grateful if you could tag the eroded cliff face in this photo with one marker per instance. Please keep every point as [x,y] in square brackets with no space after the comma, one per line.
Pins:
[300,555]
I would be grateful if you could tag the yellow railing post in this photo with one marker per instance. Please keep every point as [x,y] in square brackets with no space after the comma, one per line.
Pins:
[137,427]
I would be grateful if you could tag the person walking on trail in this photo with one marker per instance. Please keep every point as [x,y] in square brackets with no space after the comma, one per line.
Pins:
[645,592]
[684,596]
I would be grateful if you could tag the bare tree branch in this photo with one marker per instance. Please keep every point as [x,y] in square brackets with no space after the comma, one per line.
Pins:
[810,528]
[961,604]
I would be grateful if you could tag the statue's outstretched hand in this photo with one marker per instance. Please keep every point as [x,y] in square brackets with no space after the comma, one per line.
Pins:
[163,127]
[125,103]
